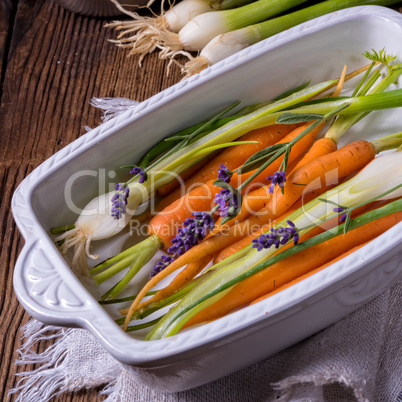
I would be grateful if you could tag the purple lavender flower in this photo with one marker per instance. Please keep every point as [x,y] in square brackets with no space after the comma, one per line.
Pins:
[161,265]
[276,237]
[278,178]
[228,202]
[119,200]
[220,199]
[343,217]
[137,170]
[224,174]
[193,231]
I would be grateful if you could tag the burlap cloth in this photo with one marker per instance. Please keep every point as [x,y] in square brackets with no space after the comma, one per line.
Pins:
[358,358]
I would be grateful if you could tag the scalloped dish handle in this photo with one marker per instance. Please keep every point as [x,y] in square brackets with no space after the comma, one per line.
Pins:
[42,291]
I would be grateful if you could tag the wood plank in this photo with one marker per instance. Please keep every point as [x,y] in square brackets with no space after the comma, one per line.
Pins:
[7,14]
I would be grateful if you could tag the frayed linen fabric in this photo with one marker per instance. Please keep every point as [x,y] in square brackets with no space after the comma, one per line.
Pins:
[359,358]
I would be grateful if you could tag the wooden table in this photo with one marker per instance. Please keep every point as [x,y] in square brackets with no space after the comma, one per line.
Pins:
[52,63]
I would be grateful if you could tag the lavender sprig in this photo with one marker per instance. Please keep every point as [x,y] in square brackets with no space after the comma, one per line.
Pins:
[278,178]
[277,237]
[345,217]
[136,170]
[193,231]
[342,219]
[224,174]
[227,201]
[161,265]
[119,200]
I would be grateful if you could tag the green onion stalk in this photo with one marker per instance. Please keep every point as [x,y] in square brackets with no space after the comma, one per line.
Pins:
[227,44]
[154,307]
[380,180]
[153,154]
[343,123]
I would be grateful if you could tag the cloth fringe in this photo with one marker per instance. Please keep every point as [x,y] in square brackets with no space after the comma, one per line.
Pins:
[50,379]
[113,107]
[46,381]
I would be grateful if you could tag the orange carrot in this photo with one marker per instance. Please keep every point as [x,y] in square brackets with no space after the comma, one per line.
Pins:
[193,169]
[292,267]
[181,279]
[232,157]
[310,273]
[328,169]
[166,222]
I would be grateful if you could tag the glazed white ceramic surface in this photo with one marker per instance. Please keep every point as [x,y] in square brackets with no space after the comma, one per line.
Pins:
[49,290]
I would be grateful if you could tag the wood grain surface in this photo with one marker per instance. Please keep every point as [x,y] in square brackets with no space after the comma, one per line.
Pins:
[52,63]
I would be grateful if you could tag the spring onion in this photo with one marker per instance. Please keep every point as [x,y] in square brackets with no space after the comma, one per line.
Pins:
[203,28]
[227,44]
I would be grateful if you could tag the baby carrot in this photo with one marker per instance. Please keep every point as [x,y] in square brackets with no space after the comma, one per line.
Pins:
[193,169]
[310,273]
[181,279]
[328,168]
[231,157]
[236,246]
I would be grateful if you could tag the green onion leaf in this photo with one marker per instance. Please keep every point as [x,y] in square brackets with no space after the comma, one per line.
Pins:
[294,118]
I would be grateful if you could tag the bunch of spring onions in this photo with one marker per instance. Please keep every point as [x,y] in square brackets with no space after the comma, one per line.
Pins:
[227,44]
[141,34]
[138,255]
[215,30]
[108,214]
[380,180]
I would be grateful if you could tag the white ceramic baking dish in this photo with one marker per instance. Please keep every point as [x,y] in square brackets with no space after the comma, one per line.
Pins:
[49,290]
